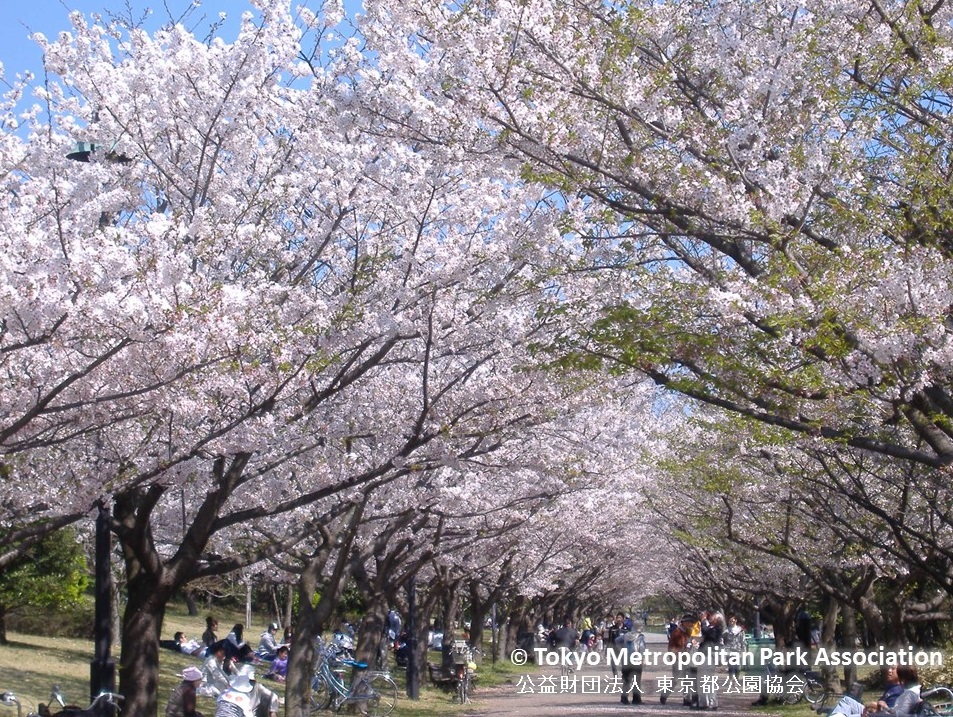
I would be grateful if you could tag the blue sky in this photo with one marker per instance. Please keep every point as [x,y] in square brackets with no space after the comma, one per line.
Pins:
[24,17]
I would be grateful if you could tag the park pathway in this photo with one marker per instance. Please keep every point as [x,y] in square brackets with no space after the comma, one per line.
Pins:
[533,696]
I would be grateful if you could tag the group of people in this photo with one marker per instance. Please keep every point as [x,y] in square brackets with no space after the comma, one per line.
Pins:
[244,696]
[620,633]
[900,698]
[228,672]
[707,632]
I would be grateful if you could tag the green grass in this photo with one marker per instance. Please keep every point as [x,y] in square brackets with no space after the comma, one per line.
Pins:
[30,665]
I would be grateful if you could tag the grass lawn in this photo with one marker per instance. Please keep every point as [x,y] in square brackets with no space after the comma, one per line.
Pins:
[30,665]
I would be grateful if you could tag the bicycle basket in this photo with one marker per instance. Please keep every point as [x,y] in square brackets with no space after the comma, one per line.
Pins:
[460,652]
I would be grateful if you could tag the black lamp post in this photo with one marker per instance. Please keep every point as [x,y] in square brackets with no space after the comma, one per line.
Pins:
[413,671]
[756,630]
[102,670]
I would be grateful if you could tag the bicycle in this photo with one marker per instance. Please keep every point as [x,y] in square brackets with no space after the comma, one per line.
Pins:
[810,687]
[464,667]
[828,698]
[374,693]
[106,704]
[8,699]
[942,708]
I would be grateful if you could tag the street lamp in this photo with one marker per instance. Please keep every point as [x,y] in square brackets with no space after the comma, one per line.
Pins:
[413,670]
[102,670]
[756,630]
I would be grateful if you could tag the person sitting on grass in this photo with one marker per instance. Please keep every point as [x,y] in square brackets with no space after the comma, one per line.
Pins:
[183,697]
[235,646]
[187,646]
[267,644]
[279,666]
[236,700]
[215,668]
[901,696]
[209,637]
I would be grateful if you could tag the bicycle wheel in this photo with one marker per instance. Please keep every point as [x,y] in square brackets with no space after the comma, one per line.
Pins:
[814,691]
[382,696]
[792,697]
[320,694]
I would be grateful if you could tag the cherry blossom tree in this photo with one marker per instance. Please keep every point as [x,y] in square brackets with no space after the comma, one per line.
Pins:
[846,529]
[765,180]
[262,301]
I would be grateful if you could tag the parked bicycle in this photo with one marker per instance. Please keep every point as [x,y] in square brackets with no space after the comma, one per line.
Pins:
[106,704]
[805,684]
[372,692]
[8,699]
[464,668]
[936,702]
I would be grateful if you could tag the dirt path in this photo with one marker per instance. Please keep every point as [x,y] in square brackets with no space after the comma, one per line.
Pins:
[542,693]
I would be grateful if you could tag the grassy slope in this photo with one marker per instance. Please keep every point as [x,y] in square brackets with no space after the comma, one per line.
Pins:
[30,665]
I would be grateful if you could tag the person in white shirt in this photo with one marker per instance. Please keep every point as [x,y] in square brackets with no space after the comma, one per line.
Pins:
[267,644]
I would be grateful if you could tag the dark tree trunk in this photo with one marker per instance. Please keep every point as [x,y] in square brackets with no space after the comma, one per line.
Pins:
[874,621]
[849,634]
[310,623]
[190,602]
[3,625]
[449,618]
[517,624]
[370,632]
[289,606]
[151,581]
[831,611]
[478,611]
[141,628]
[313,617]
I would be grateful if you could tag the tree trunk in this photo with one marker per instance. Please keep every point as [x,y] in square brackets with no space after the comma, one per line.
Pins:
[301,658]
[190,602]
[141,628]
[849,634]
[370,632]
[874,622]
[449,620]
[478,611]
[312,617]
[289,606]
[829,627]
[516,626]
[3,625]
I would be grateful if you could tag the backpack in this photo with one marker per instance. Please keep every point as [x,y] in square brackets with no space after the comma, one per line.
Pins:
[633,643]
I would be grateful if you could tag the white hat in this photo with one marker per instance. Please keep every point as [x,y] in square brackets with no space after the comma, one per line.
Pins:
[191,674]
[248,671]
[240,683]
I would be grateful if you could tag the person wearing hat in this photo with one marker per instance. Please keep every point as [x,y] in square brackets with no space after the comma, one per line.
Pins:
[183,697]
[267,644]
[264,702]
[236,700]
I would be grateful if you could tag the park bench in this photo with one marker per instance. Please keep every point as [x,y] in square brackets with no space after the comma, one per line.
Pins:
[445,678]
